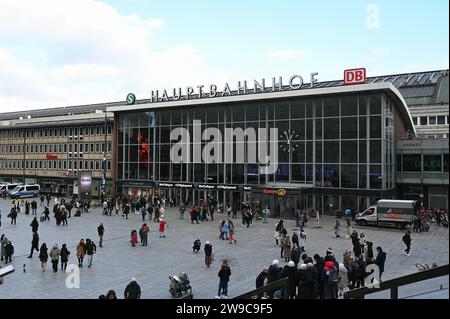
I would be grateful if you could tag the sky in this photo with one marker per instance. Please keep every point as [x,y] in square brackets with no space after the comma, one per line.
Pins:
[57,53]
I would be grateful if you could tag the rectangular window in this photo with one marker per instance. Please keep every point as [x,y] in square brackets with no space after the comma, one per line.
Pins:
[423,120]
[349,149]
[330,106]
[432,120]
[412,163]
[432,163]
[331,128]
[414,120]
[441,119]
[375,151]
[331,152]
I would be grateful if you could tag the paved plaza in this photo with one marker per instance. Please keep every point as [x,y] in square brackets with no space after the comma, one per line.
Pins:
[118,262]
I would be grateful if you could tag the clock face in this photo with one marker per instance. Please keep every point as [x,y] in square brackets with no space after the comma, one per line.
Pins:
[289,140]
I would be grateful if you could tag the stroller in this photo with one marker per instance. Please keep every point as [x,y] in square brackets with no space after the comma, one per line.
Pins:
[179,284]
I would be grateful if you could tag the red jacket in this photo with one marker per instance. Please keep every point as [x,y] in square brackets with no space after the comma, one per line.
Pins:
[162,225]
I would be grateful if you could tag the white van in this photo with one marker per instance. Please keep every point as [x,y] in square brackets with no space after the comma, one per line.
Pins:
[25,191]
[8,188]
[388,212]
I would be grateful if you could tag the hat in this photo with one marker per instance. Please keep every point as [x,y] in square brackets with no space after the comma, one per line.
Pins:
[208,242]
[303,266]
[275,262]
[133,279]
[309,265]
[291,264]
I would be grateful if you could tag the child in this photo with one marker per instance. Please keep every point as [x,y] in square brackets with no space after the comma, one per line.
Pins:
[162,228]
[134,238]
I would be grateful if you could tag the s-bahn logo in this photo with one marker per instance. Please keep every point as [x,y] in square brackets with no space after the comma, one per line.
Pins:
[235,145]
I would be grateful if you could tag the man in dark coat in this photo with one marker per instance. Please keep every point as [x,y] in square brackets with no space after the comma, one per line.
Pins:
[407,240]
[309,288]
[34,244]
[274,273]
[261,278]
[132,290]
[294,238]
[380,260]
[290,272]
[319,265]
[34,225]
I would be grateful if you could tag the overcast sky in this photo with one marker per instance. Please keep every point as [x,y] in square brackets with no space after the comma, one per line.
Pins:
[58,52]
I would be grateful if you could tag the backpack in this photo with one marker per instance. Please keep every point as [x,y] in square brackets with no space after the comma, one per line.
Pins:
[333,277]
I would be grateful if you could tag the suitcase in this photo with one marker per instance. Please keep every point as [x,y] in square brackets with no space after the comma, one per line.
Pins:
[42,218]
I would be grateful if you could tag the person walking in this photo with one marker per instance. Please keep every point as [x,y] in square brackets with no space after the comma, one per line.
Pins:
[208,253]
[34,244]
[13,215]
[266,213]
[144,231]
[162,228]
[64,257]
[81,251]
[278,228]
[100,231]
[42,198]
[302,241]
[182,210]
[3,241]
[34,225]
[132,290]
[224,275]
[407,240]
[9,251]
[54,257]
[126,210]
[91,249]
[231,231]
[380,261]
[43,256]
[34,207]
[336,228]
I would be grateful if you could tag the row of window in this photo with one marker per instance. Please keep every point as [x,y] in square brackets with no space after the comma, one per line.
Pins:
[61,165]
[431,120]
[56,148]
[422,163]
[57,132]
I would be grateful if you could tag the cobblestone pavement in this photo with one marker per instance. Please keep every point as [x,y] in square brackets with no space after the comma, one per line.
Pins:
[117,262]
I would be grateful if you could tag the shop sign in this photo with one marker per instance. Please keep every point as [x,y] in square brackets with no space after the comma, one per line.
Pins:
[51,156]
[206,186]
[355,76]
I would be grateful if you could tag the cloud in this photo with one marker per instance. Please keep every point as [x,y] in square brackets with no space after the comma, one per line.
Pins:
[286,54]
[61,52]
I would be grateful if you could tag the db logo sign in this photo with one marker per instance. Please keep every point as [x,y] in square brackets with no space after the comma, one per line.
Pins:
[281,192]
[355,76]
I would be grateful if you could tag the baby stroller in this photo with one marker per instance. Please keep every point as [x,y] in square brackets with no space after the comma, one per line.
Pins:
[179,284]
[42,217]
[197,245]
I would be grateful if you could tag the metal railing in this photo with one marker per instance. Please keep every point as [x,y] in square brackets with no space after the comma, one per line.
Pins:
[393,284]
[274,286]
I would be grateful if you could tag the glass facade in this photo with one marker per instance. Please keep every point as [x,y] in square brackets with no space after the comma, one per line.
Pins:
[333,142]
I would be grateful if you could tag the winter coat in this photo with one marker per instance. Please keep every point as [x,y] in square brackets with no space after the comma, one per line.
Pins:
[286,243]
[9,248]
[2,246]
[208,249]
[90,248]
[343,278]
[275,273]
[260,279]
[308,287]
[380,260]
[407,239]
[80,250]
[302,242]
[35,241]
[162,225]
[291,274]
[34,225]
[224,274]
[43,255]
[65,254]
[295,255]
[132,291]
[55,253]
[295,239]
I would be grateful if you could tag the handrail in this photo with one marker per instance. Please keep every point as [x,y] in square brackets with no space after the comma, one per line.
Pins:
[282,283]
[393,284]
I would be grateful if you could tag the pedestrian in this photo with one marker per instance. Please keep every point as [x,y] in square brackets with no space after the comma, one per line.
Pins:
[286,247]
[278,228]
[46,214]
[182,209]
[294,238]
[111,295]
[132,290]
[380,261]
[64,257]
[302,241]
[54,257]
[231,231]
[3,241]
[223,230]
[363,244]
[144,236]
[266,214]
[43,256]
[224,275]
[297,217]
[34,225]
[42,198]
[9,251]
[34,244]
[13,215]
[162,228]
[34,207]
[208,253]
[274,273]
[91,249]
[320,265]
[81,251]
[407,240]
[336,228]
[27,207]
[126,211]
[348,228]
[143,213]
[295,254]
[343,279]
[261,281]
[331,280]
[100,231]
[133,239]
[48,198]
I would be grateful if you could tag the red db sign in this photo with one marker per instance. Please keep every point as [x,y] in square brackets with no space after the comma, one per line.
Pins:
[355,76]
